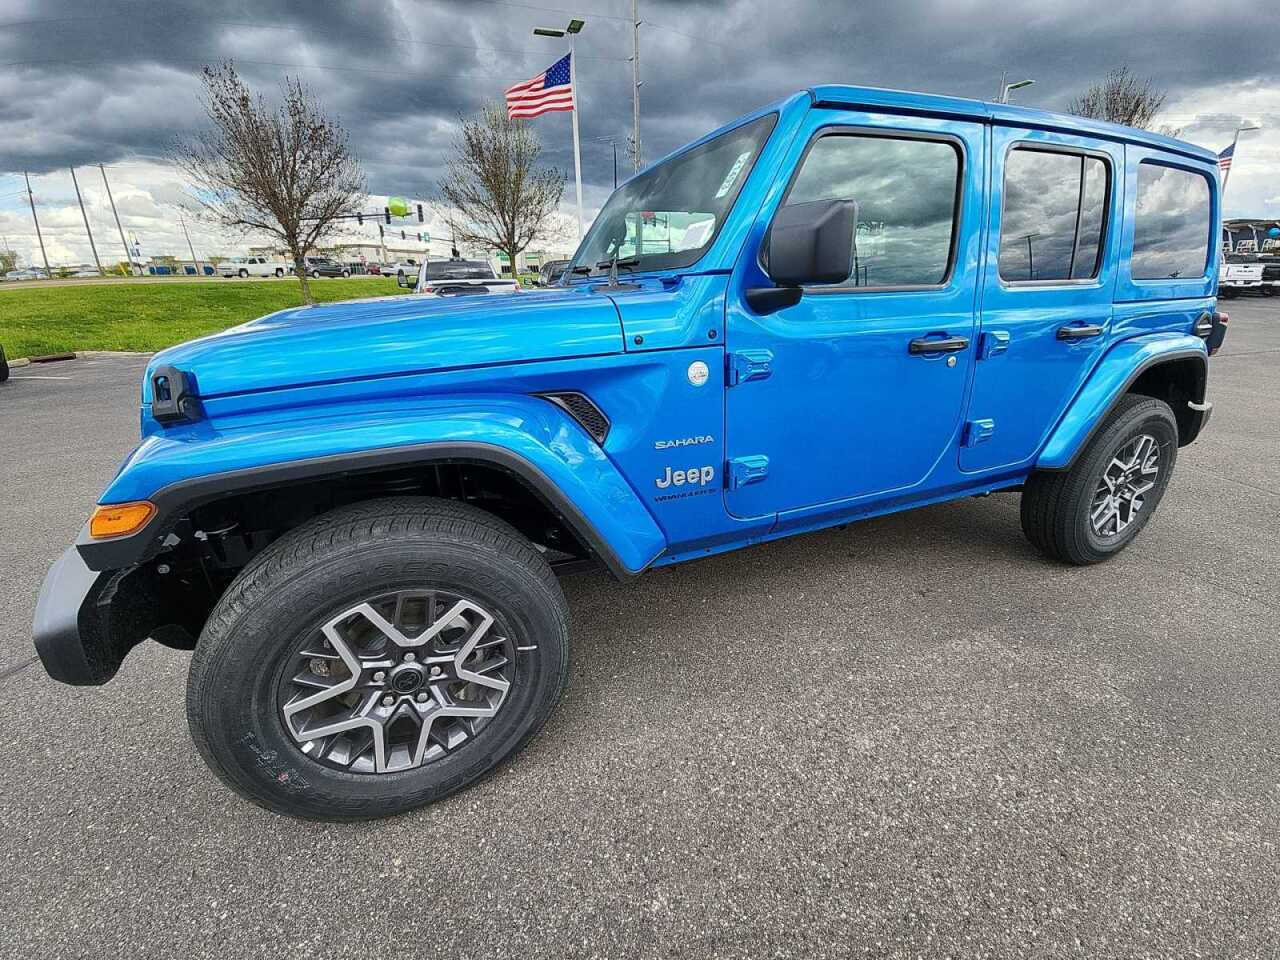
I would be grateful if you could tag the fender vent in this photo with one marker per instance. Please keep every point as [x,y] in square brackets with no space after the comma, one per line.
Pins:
[581,408]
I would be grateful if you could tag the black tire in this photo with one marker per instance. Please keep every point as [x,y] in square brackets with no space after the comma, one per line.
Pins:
[279,273]
[4,366]
[1268,291]
[1228,293]
[244,274]
[315,274]
[314,573]
[346,273]
[1056,506]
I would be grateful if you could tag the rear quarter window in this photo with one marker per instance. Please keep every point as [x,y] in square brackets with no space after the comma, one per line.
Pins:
[1170,224]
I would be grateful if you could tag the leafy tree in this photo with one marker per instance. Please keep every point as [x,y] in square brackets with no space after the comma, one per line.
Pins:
[288,172]
[494,195]
[8,261]
[1121,98]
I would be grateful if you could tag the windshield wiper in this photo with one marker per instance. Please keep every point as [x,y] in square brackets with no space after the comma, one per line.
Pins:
[624,262]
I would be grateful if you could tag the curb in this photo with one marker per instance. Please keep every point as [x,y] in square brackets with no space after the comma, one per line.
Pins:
[20,362]
[111,353]
[78,355]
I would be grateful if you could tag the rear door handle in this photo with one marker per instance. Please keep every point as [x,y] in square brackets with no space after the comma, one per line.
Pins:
[925,345]
[1079,331]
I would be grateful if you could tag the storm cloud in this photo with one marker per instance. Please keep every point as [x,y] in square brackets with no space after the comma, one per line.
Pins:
[83,83]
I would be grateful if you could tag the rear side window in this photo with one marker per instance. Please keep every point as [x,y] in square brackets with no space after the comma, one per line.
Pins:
[907,192]
[1055,216]
[1170,224]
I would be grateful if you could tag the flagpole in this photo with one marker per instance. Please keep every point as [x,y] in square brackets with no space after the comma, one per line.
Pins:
[1227,175]
[577,152]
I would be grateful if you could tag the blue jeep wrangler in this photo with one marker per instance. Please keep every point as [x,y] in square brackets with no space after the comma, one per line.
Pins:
[851,302]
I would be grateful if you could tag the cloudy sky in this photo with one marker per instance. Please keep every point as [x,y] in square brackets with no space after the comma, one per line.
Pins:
[83,83]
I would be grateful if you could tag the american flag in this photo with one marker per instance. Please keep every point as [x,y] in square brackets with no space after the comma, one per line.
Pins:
[550,90]
[1224,158]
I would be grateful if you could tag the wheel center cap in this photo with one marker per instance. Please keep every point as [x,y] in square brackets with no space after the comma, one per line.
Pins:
[406,679]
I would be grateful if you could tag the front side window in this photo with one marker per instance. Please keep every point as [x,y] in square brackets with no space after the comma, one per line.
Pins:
[1170,224]
[459,270]
[1055,216]
[666,217]
[906,192]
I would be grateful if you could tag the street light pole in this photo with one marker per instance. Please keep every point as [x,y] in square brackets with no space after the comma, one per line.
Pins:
[48,274]
[613,142]
[635,84]
[80,199]
[1006,88]
[128,260]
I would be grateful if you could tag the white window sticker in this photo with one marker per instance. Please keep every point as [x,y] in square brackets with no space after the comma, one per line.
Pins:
[732,175]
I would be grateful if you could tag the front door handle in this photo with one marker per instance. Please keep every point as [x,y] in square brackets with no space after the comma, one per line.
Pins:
[925,345]
[1080,331]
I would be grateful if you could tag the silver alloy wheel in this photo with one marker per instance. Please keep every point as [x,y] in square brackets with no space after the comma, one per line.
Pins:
[396,682]
[1125,482]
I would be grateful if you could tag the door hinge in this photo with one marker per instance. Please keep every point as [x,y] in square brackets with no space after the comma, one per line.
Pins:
[993,343]
[978,431]
[748,365]
[741,471]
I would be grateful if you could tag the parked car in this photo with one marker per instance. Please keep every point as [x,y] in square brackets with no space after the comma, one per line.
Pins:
[326,267]
[849,303]
[408,267]
[86,273]
[29,273]
[1237,275]
[374,269]
[458,278]
[252,267]
[551,272]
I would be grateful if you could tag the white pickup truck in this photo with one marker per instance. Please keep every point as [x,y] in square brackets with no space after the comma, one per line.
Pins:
[252,267]
[1237,278]
[458,278]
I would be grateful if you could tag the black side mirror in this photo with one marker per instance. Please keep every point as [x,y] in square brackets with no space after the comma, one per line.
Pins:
[809,243]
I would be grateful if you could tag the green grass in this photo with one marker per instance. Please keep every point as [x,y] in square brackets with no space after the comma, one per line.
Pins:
[150,316]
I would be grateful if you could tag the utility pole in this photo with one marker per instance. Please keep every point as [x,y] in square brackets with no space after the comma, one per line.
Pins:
[32,197]
[128,260]
[189,246]
[92,247]
[635,83]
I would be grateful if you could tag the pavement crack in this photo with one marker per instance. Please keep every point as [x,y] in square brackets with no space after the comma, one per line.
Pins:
[17,668]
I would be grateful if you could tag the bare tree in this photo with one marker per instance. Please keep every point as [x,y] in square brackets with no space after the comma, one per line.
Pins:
[493,193]
[1121,98]
[288,171]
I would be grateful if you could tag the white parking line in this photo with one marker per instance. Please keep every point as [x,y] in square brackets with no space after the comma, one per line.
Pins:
[38,377]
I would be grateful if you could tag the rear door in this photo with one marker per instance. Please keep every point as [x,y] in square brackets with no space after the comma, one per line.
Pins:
[859,388]
[1047,288]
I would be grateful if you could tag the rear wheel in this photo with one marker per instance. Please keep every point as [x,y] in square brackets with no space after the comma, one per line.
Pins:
[279,272]
[378,659]
[346,273]
[1096,508]
[244,274]
[315,274]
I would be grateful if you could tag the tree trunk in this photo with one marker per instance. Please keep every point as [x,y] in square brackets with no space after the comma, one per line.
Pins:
[300,268]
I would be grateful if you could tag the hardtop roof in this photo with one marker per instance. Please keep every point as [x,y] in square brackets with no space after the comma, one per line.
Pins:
[843,95]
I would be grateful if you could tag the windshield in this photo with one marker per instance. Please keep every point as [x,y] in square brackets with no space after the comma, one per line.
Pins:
[460,270]
[667,217]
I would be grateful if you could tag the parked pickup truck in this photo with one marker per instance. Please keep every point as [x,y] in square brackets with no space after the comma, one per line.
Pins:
[458,278]
[252,267]
[848,303]
[1235,278]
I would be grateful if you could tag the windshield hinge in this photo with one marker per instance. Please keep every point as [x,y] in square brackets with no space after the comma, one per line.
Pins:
[748,365]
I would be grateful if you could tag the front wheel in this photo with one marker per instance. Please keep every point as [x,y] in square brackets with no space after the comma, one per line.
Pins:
[244,274]
[1095,509]
[377,659]
[315,274]
[346,273]
[279,273]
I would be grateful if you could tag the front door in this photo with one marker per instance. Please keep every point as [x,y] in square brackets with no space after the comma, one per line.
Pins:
[857,391]
[1047,288]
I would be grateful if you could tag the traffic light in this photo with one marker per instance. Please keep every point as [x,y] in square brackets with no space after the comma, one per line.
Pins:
[360,219]
[419,238]
[381,233]
[420,213]
[386,212]
[402,235]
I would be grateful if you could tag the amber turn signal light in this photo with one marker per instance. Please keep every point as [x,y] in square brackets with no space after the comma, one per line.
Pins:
[120,519]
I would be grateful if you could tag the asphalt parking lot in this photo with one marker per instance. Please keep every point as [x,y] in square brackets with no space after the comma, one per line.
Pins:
[909,737]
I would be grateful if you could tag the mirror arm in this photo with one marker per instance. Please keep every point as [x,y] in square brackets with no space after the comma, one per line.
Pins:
[766,300]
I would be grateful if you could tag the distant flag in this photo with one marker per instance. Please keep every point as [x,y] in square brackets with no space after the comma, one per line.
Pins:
[549,91]
[1224,158]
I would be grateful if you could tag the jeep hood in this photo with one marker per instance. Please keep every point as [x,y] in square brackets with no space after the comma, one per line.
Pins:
[387,336]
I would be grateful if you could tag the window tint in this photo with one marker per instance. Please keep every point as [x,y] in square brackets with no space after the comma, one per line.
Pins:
[906,196]
[1170,224]
[1055,216]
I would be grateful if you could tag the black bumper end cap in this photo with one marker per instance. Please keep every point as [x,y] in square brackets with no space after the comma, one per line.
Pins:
[56,628]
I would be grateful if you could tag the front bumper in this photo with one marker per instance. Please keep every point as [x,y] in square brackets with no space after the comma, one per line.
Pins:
[56,630]
[87,621]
